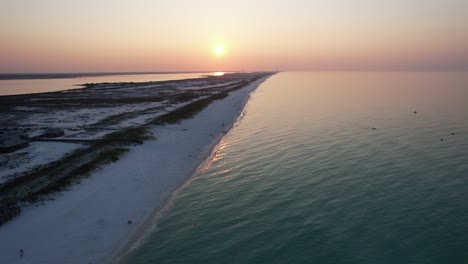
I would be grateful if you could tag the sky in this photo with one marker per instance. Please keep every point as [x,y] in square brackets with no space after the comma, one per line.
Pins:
[182,35]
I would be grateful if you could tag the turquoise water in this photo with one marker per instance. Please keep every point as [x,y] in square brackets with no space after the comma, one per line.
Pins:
[304,177]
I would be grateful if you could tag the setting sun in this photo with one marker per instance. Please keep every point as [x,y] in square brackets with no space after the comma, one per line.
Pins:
[219,50]
[303,131]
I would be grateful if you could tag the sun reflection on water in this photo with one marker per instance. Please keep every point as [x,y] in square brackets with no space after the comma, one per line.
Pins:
[215,156]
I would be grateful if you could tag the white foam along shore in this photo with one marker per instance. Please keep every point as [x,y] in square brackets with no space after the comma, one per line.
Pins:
[89,223]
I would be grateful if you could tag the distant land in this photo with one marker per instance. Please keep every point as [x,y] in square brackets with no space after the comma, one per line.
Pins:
[24,76]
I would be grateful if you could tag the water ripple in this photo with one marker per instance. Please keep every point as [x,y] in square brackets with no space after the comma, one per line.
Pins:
[307,179]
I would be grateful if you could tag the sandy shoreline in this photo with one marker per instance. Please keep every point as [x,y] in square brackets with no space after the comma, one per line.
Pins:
[205,156]
[88,224]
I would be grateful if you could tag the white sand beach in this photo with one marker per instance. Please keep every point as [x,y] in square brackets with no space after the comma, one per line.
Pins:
[89,223]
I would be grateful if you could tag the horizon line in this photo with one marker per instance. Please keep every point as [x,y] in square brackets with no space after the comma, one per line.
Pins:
[58,75]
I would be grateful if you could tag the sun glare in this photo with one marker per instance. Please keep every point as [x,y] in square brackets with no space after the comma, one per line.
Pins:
[219,50]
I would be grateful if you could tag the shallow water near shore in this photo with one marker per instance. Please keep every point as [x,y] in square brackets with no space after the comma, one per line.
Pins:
[330,168]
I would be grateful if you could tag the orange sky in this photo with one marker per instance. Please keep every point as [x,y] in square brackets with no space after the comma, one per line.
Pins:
[164,35]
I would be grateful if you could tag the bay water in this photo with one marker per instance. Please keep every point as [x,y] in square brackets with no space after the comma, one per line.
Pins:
[330,167]
[28,86]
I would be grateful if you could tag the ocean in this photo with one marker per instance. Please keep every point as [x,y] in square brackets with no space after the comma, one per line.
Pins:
[329,167]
